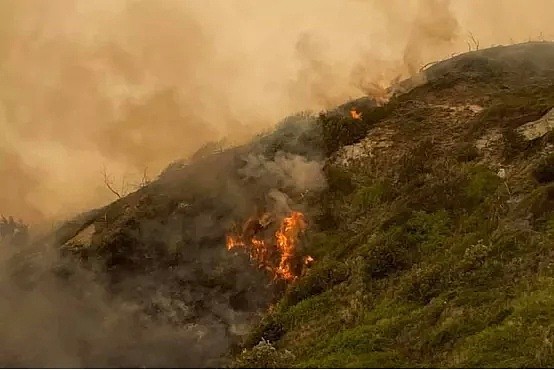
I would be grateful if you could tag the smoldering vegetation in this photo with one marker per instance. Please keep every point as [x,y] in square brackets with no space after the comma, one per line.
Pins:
[147,281]
[52,319]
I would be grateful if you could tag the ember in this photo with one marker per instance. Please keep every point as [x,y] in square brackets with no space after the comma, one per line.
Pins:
[355,114]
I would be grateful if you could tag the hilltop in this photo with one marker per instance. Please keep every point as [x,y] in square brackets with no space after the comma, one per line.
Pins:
[429,228]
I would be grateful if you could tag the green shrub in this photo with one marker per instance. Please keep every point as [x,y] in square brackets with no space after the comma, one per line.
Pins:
[424,283]
[482,183]
[416,162]
[386,259]
[323,276]
[340,129]
[423,227]
[475,256]
[339,179]
[514,144]
[539,204]
[270,328]
[466,152]
[369,196]
[264,356]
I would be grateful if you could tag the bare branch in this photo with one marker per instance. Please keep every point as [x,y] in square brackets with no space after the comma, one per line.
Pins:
[428,65]
[474,40]
[109,183]
[145,178]
[144,181]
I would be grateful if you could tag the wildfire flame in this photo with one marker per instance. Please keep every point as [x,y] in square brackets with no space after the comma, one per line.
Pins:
[355,114]
[277,258]
[287,238]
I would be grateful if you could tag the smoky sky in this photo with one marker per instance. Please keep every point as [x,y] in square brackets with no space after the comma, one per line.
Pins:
[132,85]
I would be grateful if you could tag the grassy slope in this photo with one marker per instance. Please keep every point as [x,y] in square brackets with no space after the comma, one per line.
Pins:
[425,257]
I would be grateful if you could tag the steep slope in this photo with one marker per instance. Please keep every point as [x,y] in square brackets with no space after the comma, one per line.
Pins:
[434,239]
[428,238]
[162,251]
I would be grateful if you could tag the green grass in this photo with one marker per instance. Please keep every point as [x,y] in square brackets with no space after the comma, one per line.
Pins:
[436,262]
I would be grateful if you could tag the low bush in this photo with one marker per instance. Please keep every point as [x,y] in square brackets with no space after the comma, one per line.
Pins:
[544,171]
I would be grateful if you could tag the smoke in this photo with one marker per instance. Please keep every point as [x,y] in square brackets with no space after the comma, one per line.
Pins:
[136,84]
[286,170]
[285,174]
[56,313]
[52,318]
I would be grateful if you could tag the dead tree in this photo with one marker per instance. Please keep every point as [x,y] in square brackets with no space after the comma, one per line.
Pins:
[108,181]
[474,40]
[125,186]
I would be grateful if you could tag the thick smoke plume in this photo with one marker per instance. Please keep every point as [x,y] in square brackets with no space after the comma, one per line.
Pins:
[135,84]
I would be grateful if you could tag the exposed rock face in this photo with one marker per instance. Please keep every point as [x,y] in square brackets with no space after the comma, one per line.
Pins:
[536,129]
[377,140]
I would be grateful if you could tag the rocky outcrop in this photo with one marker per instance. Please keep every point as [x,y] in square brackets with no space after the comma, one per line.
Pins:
[539,128]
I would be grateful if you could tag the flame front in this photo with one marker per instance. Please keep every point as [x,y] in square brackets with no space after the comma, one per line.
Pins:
[287,239]
[277,258]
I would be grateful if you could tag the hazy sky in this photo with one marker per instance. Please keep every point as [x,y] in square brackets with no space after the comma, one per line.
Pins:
[135,84]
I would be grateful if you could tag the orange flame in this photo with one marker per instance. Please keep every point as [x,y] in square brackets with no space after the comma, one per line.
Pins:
[286,241]
[287,238]
[233,243]
[355,114]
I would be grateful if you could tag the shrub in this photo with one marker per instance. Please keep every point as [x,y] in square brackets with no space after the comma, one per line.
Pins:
[367,197]
[389,253]
[544,172]
[514,144]
[416,162]
[466,152]
[540,203]
[339,129]
[270,328]
[264,356]
[339,180]
[423,227]
[323,276]
[482,183]
[424,284]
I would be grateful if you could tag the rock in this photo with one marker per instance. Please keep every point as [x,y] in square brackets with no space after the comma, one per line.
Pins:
[83,238]
[489,139]
[534,130]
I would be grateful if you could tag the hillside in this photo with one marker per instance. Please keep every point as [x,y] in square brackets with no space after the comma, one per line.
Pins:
[425,239]
[434,240]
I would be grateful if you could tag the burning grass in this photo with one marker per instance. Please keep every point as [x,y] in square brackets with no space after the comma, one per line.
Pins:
[279,255]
